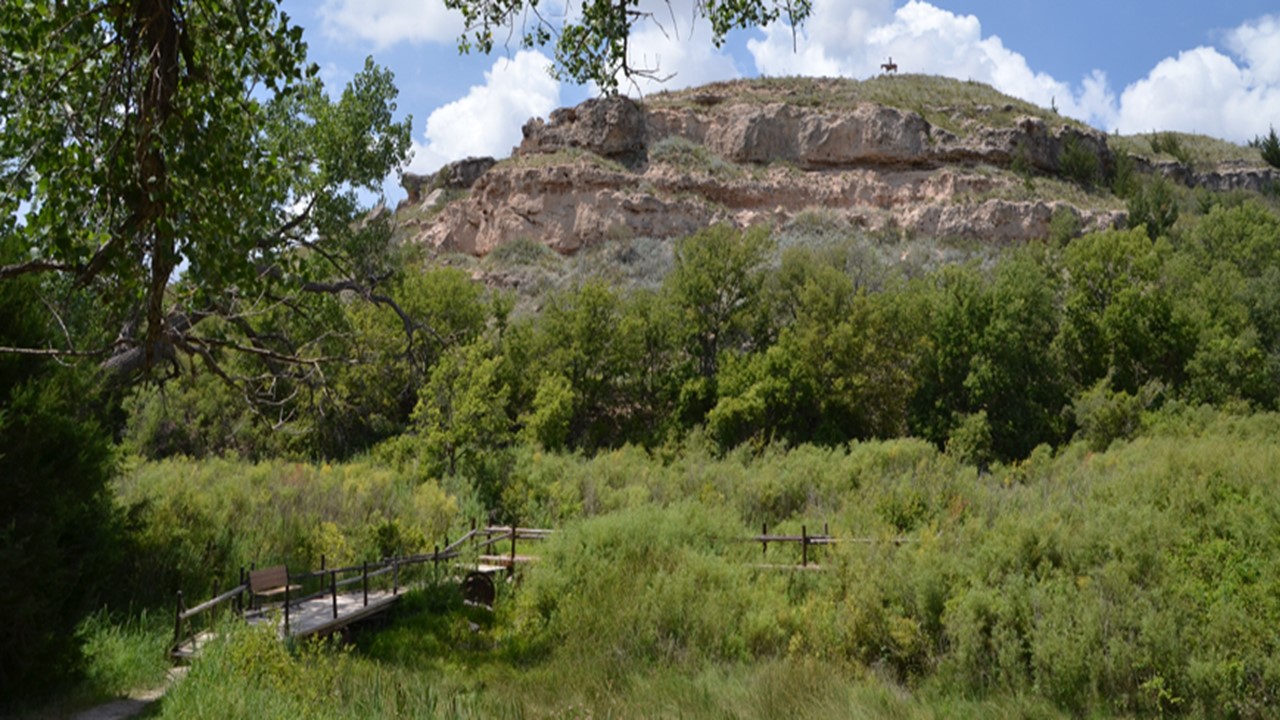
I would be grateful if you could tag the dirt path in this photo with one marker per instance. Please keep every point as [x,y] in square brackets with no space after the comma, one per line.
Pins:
[133,705]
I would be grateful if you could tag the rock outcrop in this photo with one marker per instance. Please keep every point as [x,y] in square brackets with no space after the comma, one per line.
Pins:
[458,175]
[1224,178]
[612,166]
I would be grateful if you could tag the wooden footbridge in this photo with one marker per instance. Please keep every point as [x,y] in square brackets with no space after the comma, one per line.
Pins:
[328,600]
[324,601]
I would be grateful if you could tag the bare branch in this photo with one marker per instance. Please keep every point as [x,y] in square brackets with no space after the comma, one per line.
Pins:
[56,352]
[261,352]
[35,266]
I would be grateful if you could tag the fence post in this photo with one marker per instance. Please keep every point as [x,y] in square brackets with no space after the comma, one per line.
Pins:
[333,590]
[764,542]
[435,562]
[366,583]
[804,545]
[240,595]
[511,569]
[395,576]
[177,623]
[286,604]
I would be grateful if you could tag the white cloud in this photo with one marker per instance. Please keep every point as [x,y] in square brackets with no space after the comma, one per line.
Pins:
[387,22]
[1200,90]
[487,120]
[853,37]
[1258,44]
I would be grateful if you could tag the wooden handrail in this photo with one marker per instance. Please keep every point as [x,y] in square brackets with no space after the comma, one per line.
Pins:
[209,604]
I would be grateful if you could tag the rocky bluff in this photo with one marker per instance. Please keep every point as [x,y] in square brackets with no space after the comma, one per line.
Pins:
[664,168]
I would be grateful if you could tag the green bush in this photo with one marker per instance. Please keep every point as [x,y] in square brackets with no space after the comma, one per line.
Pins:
[644,587]
[1078,163]
[1153,206]
[1169,144]
[1105,415]
[1269,146]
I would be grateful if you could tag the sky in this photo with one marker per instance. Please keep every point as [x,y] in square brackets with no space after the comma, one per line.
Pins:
[1125,66]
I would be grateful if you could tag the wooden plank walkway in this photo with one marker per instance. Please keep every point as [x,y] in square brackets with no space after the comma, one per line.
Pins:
[310,617]
[317,617]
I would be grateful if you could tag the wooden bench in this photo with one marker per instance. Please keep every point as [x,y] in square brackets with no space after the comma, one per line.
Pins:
[270,581]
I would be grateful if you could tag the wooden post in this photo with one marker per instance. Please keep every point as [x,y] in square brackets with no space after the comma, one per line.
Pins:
[333,590]
[177,622]
[366,583]
[395,576]
[240,595]
[511,569]
[286,604]
[435,561]
[764,544]
[804,546]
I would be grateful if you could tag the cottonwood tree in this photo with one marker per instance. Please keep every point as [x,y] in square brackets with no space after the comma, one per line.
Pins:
[174,172]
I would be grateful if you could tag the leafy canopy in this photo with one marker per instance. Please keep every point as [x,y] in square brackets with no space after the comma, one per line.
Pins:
[164,162]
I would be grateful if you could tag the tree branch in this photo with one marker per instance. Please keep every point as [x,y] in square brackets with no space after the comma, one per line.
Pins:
[35,266]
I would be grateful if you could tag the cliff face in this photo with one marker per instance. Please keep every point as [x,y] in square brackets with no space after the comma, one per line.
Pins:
[612,166]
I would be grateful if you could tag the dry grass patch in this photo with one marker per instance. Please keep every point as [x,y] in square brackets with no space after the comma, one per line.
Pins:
[1200,151]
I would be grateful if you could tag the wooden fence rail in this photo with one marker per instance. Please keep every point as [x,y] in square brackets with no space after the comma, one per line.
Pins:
[806,540]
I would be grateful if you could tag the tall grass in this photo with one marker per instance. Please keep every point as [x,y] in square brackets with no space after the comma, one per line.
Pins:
[125,653]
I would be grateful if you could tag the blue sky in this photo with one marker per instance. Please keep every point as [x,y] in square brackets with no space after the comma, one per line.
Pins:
[1134,67]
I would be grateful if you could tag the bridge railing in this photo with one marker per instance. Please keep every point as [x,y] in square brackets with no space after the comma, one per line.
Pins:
[330,581]
[183,615]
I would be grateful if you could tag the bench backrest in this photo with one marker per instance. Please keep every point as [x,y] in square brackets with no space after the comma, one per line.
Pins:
[268,578]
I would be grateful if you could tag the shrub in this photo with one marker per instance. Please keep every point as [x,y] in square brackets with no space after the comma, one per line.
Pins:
[641,587]
[1124,176]
[1154,207]
[1064,226]
[1269,146]
[1169,144]
[683,154]
[1078,163]
[1105,416]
